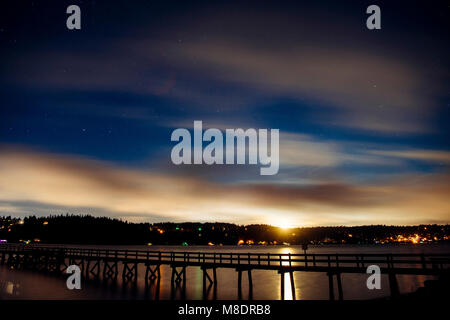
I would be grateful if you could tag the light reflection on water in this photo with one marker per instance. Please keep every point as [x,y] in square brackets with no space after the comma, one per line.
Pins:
[287,287]
[266,284]
[287,279]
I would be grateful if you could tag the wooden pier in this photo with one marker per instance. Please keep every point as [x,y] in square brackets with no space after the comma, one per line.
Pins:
[103,264]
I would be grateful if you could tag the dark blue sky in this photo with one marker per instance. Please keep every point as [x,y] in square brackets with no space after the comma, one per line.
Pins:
[362,113]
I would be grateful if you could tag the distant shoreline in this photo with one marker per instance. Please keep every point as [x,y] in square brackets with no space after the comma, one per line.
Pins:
[76,229]
[234,246]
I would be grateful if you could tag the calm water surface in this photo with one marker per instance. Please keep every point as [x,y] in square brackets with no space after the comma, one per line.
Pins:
[266,284]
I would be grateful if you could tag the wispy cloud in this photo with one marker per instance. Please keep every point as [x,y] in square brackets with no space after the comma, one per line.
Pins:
[370,91]
[437,156]
[63,183]
[307,150]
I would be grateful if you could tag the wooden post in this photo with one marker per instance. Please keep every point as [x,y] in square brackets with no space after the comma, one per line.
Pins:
[159,272]
[172,278]
[330,283]
[291,275]
[184,279]
[88,268]
[204,283]
[339,284]
[146,274]
[97,270]
[282,284]
[240,284]
[393,285]
[250,284]
[124,270]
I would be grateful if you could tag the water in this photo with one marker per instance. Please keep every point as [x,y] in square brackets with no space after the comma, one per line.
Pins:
[266,284]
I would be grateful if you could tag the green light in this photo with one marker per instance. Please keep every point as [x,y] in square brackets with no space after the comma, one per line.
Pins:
[199,229]
[184,243]
[177,228]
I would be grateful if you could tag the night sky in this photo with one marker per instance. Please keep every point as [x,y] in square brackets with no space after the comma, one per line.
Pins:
[86,115]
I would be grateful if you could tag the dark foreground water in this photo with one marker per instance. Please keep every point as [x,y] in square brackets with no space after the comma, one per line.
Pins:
[266,284]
